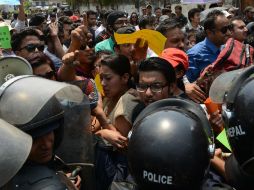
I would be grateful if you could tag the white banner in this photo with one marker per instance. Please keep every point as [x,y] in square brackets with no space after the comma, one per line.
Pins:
[9,2]
[198,1]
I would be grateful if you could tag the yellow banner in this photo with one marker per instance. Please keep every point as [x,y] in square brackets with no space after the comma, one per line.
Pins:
[155,39]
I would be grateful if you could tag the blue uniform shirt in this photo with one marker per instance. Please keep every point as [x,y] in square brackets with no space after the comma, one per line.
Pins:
[200,56]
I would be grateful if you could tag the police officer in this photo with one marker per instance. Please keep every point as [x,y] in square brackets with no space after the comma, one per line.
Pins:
[40,112]
[170,146]
[235,90]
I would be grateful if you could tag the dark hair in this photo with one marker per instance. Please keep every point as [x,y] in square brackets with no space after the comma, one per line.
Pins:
[178,7]
[113,16]
[37,19]
[68,12]
[236,18]
[200,36]
[213,5]
[209,23]
[90,12]
[17,38]
[146,20]
[119,64]
[15,15]
[168,24]
[105,15]
[157,8]
[192,13]
[158,64]
[165,11]
[65,20]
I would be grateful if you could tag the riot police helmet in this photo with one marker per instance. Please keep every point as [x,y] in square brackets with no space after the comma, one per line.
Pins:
[13,142]
[33,104]
[238,113]
[169,146]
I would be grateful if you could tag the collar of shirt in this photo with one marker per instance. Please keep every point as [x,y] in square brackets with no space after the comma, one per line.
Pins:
[211,46]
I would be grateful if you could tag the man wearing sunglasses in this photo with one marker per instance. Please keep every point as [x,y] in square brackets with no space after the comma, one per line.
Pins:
[218,30]
[156,80]
[26,43]
[115,20]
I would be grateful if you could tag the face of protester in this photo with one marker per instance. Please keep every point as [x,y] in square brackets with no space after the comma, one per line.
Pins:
[125,49]
[67,31]
[153,78]
[196,18]
[134,17]
[42,148]
[149,10]
[144,11]
[169,7]
[239,31]
[250,15]
[158,13]
[119,23]
[44,71]
[76,13]
[221,32]
[175,39]
[91,20]
[178,12]
[29,46]
[113,84]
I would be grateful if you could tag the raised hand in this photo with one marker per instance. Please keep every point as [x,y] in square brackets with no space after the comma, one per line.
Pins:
[140,50]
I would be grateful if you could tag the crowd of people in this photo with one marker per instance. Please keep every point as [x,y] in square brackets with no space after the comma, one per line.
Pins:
[148,126]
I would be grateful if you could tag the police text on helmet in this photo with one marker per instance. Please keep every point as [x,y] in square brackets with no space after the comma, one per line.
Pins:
[235,131]
[156,178]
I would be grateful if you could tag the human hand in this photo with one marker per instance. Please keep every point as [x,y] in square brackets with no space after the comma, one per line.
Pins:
[76,182]
[140,50]
[79,37]
[85,22]
[194,92]
[115,138]
[216,121]
[53,27]
[78,57]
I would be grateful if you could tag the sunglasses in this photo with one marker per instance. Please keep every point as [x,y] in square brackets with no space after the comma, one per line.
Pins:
[48,75]
[33,47]
[224,29]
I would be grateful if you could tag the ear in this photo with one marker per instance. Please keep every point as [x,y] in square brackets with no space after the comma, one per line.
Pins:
[125,78]
[179,74]
[209,32]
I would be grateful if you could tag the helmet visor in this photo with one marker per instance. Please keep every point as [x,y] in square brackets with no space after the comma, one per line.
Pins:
[13,142]
[222,84]
[23,97]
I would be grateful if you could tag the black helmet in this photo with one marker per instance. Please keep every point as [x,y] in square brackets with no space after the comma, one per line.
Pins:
[49,118]
[238,113]
[169,146]
[28,105]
